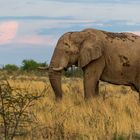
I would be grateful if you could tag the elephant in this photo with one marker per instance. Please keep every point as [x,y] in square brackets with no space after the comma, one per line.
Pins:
[102,55]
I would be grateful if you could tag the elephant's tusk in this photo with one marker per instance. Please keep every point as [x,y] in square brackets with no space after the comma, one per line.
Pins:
[43,68]
[58,69]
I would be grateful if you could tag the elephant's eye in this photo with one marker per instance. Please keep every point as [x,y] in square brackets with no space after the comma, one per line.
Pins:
[67,51]
[66,44]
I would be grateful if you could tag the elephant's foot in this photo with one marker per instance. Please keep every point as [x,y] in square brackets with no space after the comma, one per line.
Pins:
[90,96]
[91,91]
[58,98]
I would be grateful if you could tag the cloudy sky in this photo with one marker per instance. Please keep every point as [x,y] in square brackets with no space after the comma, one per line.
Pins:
[29,29]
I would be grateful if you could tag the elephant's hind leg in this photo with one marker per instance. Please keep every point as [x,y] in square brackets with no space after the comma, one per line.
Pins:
[137,85]
[138,90]
[92,74]
[97,88]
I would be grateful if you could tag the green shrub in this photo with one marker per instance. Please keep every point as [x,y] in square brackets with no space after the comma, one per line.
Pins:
[29,65]
[73,72]
[119,137]
[15,114]
[11,67]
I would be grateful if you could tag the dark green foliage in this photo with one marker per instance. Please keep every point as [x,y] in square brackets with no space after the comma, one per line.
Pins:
[11,67]
[32,65]
[73,72]
[44,64]
[29,65]
[119,137]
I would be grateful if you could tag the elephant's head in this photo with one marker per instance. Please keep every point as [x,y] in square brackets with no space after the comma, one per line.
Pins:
[73,48]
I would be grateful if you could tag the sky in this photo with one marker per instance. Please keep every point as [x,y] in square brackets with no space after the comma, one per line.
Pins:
[29,29]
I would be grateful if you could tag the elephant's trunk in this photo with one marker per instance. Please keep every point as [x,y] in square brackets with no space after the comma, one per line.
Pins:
[55,80]
[59,61]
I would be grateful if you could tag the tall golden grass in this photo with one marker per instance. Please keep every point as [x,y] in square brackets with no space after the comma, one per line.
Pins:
[113,115]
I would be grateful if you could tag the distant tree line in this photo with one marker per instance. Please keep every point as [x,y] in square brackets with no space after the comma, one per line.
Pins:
[32,66]
[27,65]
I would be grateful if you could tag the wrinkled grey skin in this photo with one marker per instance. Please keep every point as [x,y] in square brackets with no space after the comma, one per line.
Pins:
[106,56]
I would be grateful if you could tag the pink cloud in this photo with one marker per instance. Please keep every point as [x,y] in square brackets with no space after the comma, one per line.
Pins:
[8,31]
[37,40]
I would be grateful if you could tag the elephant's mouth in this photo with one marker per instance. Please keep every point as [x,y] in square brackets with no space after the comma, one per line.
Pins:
[55,74]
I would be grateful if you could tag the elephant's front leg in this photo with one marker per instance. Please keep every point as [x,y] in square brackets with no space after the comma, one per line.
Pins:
[92,74]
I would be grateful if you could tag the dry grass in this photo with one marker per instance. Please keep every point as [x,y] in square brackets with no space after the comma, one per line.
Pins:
[115,114]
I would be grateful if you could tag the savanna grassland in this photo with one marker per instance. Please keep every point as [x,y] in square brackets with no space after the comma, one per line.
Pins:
[113,115]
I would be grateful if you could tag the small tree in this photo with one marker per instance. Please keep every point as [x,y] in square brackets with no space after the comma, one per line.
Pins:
[29,65]
[14,110]
[11,67]
[44,64]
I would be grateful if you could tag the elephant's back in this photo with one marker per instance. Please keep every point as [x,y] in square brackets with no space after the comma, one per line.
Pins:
[116,39]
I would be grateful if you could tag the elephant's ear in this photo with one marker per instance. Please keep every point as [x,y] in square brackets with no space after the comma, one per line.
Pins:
[90,50]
